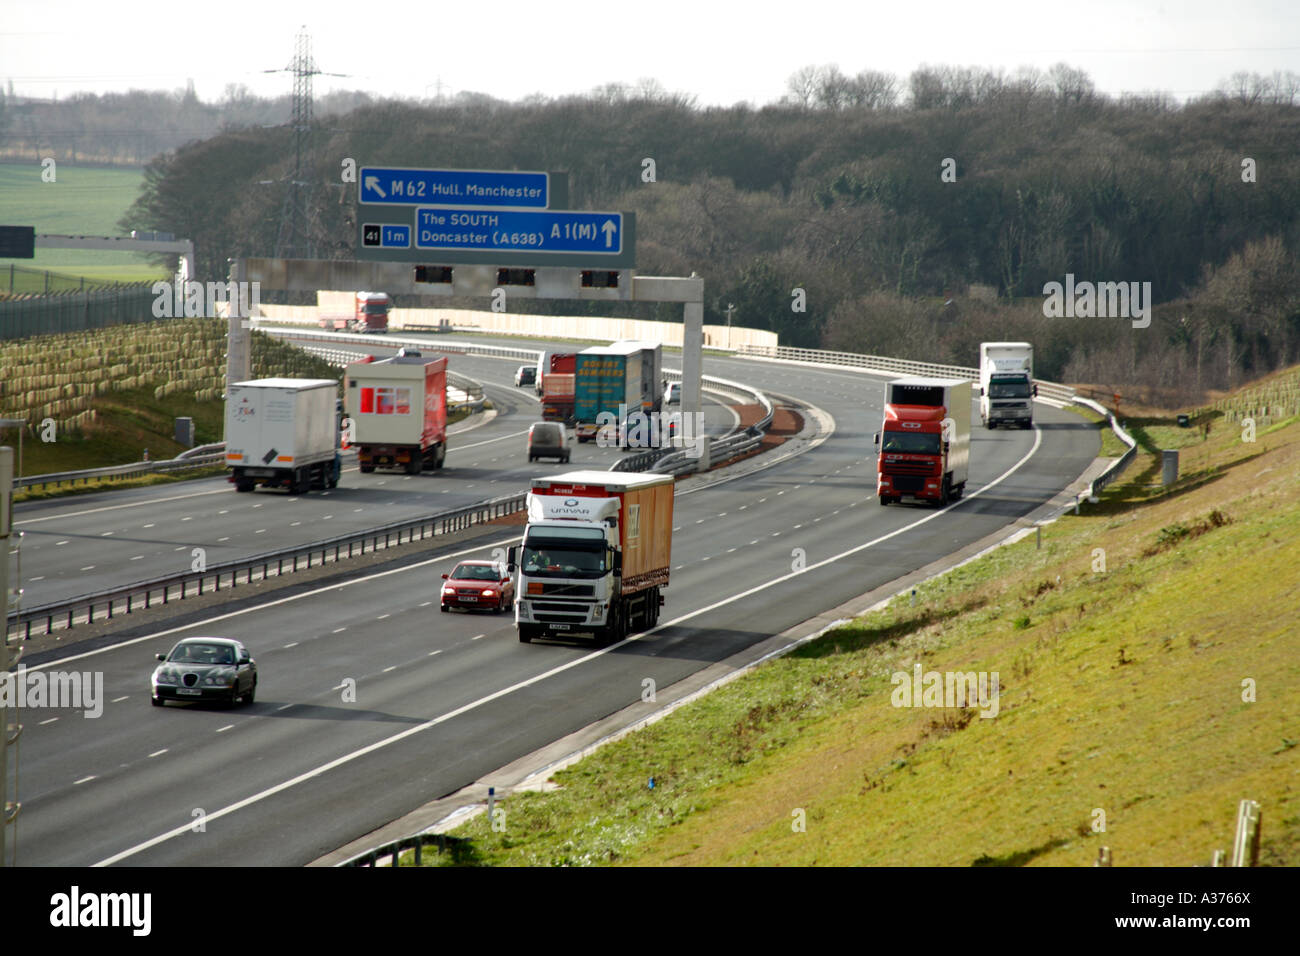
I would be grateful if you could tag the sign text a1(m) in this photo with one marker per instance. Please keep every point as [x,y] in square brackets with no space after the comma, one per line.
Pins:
[597,233]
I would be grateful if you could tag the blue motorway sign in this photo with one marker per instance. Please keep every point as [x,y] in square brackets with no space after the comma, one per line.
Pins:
[496,230]
[379,185]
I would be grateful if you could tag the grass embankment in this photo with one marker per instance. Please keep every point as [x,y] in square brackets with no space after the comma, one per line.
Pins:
[112,393]
[1123,648]
[82,201]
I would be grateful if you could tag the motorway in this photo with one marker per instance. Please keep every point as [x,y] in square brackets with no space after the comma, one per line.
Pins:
[443,699]
[89,543]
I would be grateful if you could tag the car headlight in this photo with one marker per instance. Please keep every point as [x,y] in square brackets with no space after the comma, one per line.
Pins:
[223,680]
[164,677]
[488,592]
[447,591]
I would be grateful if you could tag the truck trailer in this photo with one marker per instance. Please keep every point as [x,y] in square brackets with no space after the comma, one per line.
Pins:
[283,433]
[924,444]
[607,386]
[1007,386]
[556,387]
[595,555]
[398,408]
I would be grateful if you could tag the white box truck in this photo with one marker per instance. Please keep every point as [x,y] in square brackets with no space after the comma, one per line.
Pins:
[1007,386]
[283,433]
[595,554]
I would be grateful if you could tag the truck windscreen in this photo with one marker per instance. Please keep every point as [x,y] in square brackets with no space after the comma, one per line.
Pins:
[910,443]
[1008,388]
[559,560]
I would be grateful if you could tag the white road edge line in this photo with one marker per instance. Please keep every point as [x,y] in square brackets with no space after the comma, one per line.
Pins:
[538,678]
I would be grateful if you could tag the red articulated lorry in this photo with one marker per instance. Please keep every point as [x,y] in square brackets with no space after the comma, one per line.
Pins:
[925,441]
[398,408]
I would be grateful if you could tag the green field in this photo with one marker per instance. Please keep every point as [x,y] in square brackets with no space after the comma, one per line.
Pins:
[82,201]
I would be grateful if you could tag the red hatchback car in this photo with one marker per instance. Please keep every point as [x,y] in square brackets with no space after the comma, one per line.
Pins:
[478,584]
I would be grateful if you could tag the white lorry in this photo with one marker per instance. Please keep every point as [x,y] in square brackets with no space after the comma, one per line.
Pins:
[595,555]
[1007,386]
[283,433]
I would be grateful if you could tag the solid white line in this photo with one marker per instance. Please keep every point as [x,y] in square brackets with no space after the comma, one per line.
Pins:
[118,700]
[83,780]
[387,669]
[538,678]
[50,721]
[287,646]
[221,730]
[158,753]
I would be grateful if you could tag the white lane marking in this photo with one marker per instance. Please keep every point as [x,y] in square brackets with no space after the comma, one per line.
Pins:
[57,543]
[106,534]
[431,653]
[39,577]
[83,780]
[284,707]
[292,644]
[135,504]
[339,630]
[426,603]
[158,753]
[222,730]
[118,700]
[387,669]
[138,557]
[477,636]
[260,531]
[50,721]
[150,525]
[188,518]
[294,524]
[486,548]
[89,568]
[223,539]
[383,617]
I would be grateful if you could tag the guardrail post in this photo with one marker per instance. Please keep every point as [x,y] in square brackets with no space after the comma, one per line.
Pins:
[1245,848]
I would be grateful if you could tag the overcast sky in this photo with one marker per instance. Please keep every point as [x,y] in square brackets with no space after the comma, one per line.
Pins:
[722,52]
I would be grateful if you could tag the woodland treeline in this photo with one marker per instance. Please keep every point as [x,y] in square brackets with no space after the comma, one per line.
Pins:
[919,216]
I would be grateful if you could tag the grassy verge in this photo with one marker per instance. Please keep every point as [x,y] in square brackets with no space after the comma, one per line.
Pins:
[1125,648]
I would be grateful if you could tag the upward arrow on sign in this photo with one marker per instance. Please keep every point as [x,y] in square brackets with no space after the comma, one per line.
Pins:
[609,229]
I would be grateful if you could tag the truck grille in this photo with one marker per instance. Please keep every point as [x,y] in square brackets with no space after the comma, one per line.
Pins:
[569,590]
[560,618]
[558,606]
[908,484]
[922,468]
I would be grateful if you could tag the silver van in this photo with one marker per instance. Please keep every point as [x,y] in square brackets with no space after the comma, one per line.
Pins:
[549,440]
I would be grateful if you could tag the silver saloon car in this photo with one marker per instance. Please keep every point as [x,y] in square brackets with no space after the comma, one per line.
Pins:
[205,668]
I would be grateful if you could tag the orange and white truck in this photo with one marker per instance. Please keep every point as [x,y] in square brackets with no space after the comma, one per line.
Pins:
[398,408]
[595,555]
[369,314]
[925,440]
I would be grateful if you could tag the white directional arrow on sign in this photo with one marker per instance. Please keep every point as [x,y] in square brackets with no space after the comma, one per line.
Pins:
[609,229]
[372,182]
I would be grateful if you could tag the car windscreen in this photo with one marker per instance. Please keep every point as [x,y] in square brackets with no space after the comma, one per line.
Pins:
[202,654]
[474,572]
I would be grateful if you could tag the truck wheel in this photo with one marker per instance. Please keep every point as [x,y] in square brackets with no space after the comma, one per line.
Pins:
[945,494]
[414,466]
[301,483]
[366,469]
[244,484]
[884,500]
[990,424]
[959,491]
[440,457]
[525,635]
